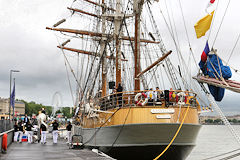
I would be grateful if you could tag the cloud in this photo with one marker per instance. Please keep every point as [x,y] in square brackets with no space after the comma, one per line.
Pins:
[27,46]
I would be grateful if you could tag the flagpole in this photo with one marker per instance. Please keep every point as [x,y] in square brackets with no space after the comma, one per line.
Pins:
[13,99]
[11,91]
[10,94]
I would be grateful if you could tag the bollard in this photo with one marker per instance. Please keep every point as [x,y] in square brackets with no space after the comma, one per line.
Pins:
[4,143]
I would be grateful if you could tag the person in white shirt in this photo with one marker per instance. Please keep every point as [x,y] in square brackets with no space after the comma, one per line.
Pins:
[55,131]
[69,132]
[29,131]
[43,130]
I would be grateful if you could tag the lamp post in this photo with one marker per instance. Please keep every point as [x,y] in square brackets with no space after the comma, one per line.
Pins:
[11,91]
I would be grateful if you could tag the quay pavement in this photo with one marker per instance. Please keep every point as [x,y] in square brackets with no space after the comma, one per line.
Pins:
[49,151]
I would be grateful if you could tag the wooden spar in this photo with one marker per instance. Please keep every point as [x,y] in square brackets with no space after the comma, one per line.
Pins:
[97,4]
[77,50]
[82,32]
[137,7]
[100,5]
[90,14]
[81,11]
[117,36]
[232,85]
[154,64]
[87,52]
[102,47]
[92,34]
[136,54]
[59,22]
[95,34]
[64,43]
[141,40]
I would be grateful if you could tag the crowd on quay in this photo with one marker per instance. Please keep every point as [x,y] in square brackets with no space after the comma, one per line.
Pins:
[36,130]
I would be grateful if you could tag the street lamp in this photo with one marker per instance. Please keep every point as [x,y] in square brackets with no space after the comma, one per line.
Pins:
[11,91]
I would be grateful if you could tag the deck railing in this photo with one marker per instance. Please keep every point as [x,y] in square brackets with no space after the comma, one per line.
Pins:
[158,98]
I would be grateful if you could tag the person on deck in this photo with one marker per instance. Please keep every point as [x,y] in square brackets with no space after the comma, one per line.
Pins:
[119,95]
[151,97]
[157,95]
[43,130]
[69,132]
[29,132]
[16,133]
[55,131]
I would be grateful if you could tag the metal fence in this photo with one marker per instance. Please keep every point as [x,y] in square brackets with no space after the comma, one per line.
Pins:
[5,125]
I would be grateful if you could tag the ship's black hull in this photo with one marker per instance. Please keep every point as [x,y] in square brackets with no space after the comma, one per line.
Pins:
[143,141]
[177,152]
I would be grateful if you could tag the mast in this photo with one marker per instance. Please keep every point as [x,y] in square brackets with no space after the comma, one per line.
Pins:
[137,6]
[117,35]
[102,46]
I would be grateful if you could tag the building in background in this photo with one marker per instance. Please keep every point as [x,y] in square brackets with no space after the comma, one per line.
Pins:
[4,108]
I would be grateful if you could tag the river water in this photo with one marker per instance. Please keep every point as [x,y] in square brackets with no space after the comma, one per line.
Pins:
[214,140]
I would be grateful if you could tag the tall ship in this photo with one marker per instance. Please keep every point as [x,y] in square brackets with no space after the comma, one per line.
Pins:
[135,98]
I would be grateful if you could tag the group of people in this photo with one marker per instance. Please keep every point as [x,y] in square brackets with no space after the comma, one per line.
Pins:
[37,131]
[154,96]
[117,98]
[168,96]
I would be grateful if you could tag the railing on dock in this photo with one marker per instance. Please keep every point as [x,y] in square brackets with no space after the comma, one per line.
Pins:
[6,127]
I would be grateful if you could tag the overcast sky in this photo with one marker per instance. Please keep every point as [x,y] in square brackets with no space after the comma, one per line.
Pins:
[27,46]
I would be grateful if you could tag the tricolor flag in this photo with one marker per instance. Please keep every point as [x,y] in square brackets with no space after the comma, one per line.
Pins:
[205,52]
[203,25]
[209,4]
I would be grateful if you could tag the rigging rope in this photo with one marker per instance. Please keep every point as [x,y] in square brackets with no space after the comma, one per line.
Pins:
[233,49]
[185,26]
[223,118]
[221,154]
[101,127]
[221,22]
[66,60]
[69,82]
[174,137]
[215,12]
[174,41]
[120,129]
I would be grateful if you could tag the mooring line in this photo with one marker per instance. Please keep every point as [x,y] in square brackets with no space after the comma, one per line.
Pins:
[221,154]
[174,137]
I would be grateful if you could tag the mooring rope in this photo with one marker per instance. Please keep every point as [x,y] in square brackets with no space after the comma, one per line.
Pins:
[221,154]
[174,137]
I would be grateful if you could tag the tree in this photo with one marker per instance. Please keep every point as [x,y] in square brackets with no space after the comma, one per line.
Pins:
[34,108]
[217,121]
[65,111]
[234,120]
[208,121]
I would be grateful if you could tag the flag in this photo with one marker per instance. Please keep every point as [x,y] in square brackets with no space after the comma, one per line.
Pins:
[205,52]
[203,25]
[209,4]
[12,98]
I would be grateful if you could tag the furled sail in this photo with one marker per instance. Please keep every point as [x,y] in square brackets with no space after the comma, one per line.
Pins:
[214,68]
